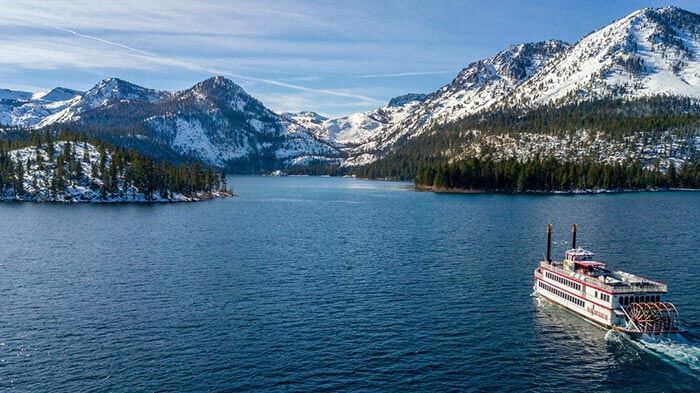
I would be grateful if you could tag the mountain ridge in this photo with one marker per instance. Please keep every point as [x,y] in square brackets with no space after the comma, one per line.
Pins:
[650,52]
[214,121]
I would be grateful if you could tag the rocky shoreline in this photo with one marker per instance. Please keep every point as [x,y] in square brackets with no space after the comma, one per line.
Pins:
[442,190]
[134,199]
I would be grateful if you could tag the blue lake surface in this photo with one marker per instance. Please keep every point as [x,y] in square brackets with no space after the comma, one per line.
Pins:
[327,284]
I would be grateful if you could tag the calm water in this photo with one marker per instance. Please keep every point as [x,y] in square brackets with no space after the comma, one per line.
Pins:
[312,284]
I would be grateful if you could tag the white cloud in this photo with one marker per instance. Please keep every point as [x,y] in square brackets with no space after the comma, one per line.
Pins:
[296,47]
[190,65]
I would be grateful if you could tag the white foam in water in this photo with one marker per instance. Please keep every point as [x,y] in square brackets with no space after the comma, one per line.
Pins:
[612,336]
[675,349]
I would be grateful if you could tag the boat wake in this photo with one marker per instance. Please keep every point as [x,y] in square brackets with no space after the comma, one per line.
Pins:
[680,350]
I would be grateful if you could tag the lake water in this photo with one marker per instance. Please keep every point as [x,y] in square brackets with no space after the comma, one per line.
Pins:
[309,284]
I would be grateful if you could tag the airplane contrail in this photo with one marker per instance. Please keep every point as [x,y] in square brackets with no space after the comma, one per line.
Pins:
[216,72]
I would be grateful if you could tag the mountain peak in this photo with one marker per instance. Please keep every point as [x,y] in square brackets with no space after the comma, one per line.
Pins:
[668,10]
[405,99]
[648,52]
[217,88]
[306,114]
[56,94]
[113,81]
[111,89]
[514,64]
[218,82]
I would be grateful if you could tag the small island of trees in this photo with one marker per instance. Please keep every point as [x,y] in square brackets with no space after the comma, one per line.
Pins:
[72,167]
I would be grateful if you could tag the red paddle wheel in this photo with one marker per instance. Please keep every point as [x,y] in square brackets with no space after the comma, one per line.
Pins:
[653,318]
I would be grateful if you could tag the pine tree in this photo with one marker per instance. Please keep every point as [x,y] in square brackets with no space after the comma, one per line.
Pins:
[672,176]
[19,182]
[86,152]
[50,149]
[39,160]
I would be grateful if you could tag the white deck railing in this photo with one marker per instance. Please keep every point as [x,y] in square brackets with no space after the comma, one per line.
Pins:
[646,286]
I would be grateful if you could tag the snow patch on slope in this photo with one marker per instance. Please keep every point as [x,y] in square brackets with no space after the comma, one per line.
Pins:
[649,52]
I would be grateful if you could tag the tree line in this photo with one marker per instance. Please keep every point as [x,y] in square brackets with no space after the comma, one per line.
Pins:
[550,174]
[651,121]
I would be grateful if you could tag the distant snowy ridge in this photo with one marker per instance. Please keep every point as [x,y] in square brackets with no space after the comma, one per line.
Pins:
[215,122]
[107,92]
[6,94]
[366,136]
[24,109]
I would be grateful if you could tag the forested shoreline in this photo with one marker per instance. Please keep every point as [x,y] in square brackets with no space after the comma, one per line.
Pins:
[651,145]
[552,175]
[71,167]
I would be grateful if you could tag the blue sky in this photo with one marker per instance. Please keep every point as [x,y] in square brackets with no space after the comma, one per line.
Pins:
[333,57]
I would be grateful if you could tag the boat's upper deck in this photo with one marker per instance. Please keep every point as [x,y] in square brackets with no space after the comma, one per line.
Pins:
[580,264]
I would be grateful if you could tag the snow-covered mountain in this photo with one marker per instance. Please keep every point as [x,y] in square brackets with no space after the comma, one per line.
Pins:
[24,109]
[56,94]
[218,122]
[15,95]
[104,95]
[310,120]
[479,86]
[649,52]
[214,121]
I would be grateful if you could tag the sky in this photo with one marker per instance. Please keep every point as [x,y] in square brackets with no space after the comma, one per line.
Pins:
[332,57]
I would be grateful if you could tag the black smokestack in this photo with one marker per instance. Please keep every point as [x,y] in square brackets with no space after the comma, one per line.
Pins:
[549,242]
[573,236]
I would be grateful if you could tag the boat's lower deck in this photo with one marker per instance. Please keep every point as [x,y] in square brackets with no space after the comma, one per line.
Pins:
[607,326]
[573,308]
